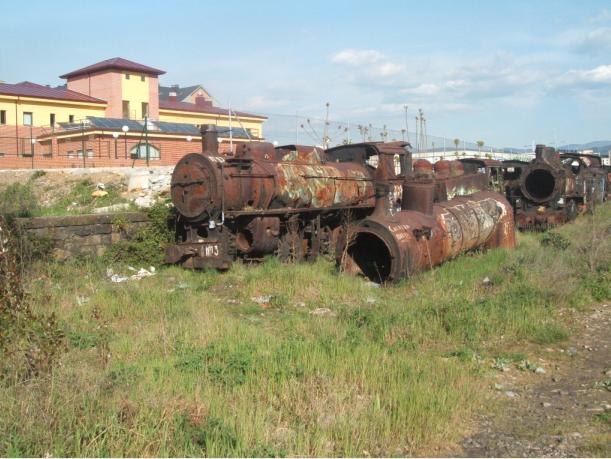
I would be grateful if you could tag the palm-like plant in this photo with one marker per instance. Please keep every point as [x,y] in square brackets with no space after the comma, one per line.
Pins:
[480,144]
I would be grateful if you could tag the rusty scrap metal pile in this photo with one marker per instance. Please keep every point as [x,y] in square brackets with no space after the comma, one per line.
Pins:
[379,214]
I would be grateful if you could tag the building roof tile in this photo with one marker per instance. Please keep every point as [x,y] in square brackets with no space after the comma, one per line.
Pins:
[29,89]
[116,63]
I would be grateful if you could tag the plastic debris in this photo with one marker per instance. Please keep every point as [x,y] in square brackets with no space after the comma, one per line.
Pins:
[140,274]
[264,299]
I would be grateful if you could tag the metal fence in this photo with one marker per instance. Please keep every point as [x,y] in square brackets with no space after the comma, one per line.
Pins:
[297,129]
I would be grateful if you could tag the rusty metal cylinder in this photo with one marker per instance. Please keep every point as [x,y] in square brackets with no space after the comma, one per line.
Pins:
[210,140]
[422,167]
[205,186]
[260,236]
[390,247]
[418,195]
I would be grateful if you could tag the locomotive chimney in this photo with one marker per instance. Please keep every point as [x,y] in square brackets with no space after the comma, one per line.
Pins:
[418,195]
[210,139]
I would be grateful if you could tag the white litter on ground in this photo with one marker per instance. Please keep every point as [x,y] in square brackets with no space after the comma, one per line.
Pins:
[140,274]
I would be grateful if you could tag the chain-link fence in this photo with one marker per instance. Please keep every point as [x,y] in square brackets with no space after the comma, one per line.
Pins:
[297,129]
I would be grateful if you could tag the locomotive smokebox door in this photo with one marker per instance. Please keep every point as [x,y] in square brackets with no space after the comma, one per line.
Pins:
[195,186]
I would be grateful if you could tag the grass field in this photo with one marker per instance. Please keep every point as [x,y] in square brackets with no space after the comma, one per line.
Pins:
[188,363]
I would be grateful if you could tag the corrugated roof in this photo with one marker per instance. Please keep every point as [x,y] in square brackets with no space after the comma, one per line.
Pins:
[189,107]
[116,63]
[29,89]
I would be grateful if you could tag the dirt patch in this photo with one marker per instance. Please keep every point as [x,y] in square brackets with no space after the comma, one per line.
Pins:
[562,410]
[55,185]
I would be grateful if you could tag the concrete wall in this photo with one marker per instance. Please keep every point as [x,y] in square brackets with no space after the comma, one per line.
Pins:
[83,234]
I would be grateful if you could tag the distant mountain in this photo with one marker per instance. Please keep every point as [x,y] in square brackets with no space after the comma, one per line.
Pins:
[599,146]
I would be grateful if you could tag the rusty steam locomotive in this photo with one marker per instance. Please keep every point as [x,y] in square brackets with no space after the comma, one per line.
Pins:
[381,214]
[554,187]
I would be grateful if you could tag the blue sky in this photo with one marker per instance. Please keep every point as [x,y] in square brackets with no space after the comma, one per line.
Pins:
[505,72]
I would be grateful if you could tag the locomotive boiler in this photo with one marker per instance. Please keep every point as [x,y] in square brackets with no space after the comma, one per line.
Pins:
[434,225]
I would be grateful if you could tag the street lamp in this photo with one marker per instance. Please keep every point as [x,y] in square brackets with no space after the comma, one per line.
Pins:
[115,136]
[125,130]
[189,138]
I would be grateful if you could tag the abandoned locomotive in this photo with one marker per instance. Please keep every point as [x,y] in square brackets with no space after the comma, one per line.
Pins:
[297,201]
[554,187]
[287,200]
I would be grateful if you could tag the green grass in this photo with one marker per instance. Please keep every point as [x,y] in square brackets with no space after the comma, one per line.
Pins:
[153,369]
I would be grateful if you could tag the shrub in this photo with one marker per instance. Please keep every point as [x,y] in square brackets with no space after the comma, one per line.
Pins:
[147,245]
[17,200]
[37,174]
[30,343]
[555,240]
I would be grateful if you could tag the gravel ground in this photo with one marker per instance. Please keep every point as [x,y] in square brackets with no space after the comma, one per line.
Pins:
[558,411]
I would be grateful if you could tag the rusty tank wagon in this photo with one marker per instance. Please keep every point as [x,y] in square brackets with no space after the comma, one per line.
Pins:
[262,200]
[434,224]
[553,188]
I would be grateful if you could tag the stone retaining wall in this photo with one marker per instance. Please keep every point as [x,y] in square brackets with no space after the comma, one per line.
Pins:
[83,234]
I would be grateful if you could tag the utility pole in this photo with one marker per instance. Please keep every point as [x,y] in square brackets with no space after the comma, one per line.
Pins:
[325,139]
[83,141]
[230,131]
[146,139]
[406,124]
[417,138]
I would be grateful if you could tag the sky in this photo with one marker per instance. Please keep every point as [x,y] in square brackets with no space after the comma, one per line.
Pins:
[509,73]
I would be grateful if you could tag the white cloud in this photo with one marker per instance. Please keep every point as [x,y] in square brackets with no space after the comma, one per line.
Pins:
[602,73]
[357,57]
[263,103]
[424,89]
[578,79]
[596,41]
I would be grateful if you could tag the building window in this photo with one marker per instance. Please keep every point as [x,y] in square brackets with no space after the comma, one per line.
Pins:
[126,109]
[70,118]
[139,152]
[52,119]
[28,118]
[142,78]
[127,76]
[2,116]
[145,109]
[79,153]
